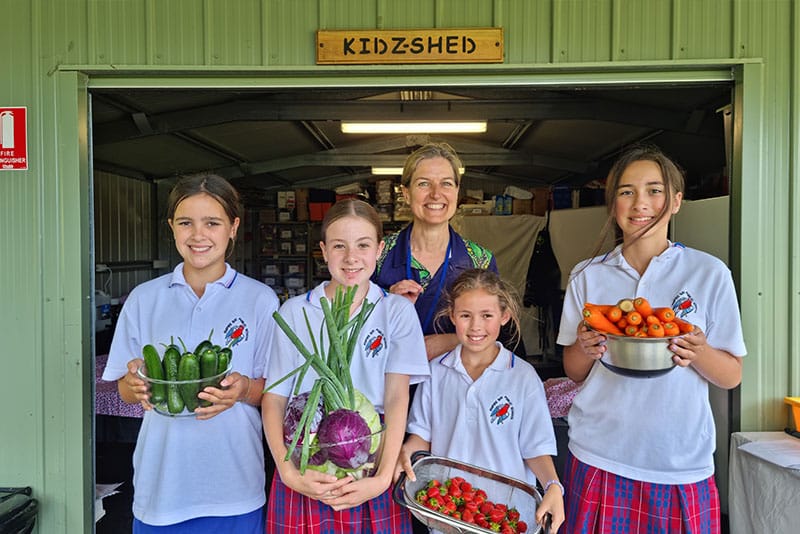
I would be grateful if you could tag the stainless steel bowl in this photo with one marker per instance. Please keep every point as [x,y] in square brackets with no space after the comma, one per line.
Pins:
[640,357]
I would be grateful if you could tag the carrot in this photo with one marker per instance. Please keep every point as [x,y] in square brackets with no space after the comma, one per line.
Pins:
[631,330]
[594,319]
[626,305]
[622,323]
[664,314]
[651,319]
[684,326]
[634,318]
[671,329]
[640,333]
[655,330]
[642,306]
[602,308]
[614,314]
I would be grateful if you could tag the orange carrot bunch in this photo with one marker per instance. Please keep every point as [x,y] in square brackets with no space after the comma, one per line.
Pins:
[634,318]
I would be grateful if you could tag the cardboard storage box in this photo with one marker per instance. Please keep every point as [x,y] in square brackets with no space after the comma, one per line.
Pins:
[522,207]
[301,204]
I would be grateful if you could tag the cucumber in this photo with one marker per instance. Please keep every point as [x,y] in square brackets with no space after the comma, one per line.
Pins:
[152,363]
[208,368]
[224,355]
[189,369]
[172,360]
[204,345]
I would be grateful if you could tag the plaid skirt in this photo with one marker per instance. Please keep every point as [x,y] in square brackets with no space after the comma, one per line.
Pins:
[599,502]
[291,512]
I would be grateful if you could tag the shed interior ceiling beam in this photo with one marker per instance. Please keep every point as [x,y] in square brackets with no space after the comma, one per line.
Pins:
[530,110]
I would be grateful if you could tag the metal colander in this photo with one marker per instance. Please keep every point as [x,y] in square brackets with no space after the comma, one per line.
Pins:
[499,488]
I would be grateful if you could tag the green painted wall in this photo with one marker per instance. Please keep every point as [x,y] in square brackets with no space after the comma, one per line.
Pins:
[52,51]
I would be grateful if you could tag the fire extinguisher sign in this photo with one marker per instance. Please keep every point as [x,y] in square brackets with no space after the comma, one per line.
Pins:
[13,139]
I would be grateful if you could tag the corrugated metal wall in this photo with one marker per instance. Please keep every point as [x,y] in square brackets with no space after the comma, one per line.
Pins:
[44,243]
[125,232]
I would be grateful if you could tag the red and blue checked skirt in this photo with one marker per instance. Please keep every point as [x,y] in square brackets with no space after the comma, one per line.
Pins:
[290,512]
[599,502]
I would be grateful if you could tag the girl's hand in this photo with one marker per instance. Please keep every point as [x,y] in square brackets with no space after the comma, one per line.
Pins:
[689,347]
[591,342]
[355,492]
[553,504]
[232,388]
[404,464]
[313,484]
[407,288]
[133,389]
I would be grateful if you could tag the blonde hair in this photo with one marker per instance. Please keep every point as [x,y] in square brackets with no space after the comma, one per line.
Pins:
[489,281]
[428,151]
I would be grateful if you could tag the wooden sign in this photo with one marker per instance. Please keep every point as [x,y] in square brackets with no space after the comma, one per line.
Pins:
[456,45]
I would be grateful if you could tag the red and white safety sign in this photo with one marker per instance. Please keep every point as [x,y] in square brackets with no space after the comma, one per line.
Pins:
[13,138]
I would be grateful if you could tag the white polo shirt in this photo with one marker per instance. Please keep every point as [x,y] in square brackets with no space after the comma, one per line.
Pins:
[494,422]
[658,429]
[390,341]
[185,468]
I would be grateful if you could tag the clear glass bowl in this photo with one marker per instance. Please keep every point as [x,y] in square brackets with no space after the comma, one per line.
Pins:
[319,455]
[183,387]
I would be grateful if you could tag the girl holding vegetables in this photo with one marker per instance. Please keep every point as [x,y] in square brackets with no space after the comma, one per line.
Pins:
[389,355]
[641,449]
[203,473]
[483,405]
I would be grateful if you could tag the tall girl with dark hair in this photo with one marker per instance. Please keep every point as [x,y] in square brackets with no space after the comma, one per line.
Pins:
[641,449]
[203,473]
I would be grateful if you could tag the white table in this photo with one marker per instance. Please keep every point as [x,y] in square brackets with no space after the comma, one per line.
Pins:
[762,496]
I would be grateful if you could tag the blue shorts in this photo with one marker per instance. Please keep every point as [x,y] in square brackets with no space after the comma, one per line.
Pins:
[250,523]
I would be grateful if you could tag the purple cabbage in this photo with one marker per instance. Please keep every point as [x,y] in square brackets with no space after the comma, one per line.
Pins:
[346,437]
[294,411]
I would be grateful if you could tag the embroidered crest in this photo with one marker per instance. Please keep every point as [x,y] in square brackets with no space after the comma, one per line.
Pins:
[501,410]
[235,332]
[683,304]
[374,343]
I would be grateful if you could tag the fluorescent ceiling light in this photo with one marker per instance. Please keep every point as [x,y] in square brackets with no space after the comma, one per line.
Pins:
[387,171]
[397,171]
[414,127]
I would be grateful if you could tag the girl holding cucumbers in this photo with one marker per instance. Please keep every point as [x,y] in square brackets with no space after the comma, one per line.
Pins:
[641,449]
[205,472]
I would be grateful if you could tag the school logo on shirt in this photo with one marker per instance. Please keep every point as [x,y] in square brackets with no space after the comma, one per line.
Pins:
[501,410]
[235,332]
[683,304]
[374,343]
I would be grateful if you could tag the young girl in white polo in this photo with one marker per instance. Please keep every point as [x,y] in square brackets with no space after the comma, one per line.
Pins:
[389,355]
[641,449]
[483,405]
[204,473]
